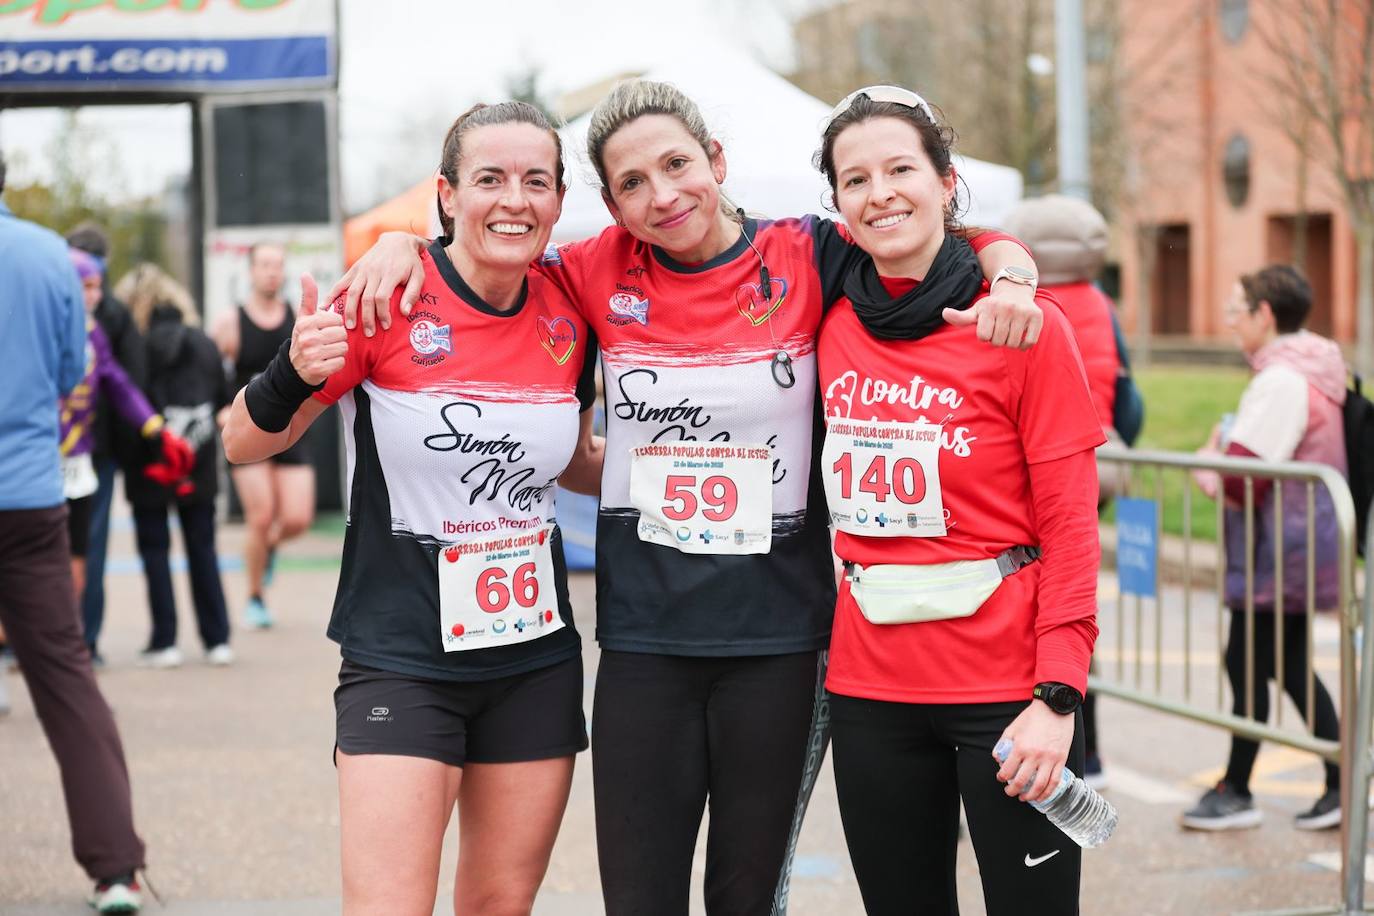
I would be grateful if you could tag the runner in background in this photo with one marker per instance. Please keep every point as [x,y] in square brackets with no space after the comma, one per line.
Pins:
[715,584]
[278,494]
[961,481]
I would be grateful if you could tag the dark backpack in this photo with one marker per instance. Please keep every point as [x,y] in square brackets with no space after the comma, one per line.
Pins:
[1128,411]
[1358,415]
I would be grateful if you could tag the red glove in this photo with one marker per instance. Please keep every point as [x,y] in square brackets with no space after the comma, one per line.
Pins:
[178,458]
[177,453]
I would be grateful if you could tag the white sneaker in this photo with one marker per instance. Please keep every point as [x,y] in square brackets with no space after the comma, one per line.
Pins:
[169,657]
[220,655]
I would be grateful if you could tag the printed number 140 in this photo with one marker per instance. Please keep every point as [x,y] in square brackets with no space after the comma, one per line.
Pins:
[907,481]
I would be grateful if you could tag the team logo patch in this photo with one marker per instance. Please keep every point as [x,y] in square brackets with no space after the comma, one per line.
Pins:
[552,255]
[558,337]
[631,306]
[427,337]
[752,304]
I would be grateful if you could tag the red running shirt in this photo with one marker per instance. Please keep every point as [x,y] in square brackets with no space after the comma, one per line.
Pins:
[1005,415]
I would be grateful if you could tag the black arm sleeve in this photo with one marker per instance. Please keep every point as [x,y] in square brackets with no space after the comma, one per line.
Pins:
[835,256]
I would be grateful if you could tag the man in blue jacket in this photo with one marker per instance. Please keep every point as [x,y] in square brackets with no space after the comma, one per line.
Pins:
[42,356]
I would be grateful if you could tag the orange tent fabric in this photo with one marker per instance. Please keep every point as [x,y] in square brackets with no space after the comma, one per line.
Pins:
[410,211]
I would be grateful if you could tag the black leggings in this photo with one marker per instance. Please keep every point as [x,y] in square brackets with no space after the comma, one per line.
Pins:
[900,771]
[1243,750]
[669,732]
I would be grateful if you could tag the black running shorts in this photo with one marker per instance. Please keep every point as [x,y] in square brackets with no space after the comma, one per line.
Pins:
[79,524]
[535,715]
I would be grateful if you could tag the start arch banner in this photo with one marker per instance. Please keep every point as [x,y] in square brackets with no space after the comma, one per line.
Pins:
[171,45]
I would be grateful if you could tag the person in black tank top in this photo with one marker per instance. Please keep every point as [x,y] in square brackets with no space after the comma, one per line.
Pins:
[257,345]
[278,495]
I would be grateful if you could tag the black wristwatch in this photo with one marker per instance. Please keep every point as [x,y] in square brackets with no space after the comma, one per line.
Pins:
[1061,698]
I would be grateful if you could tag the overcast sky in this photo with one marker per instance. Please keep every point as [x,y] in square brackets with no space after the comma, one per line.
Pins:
[410,66]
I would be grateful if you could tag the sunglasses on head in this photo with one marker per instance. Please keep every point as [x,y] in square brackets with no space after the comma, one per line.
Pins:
[894,94]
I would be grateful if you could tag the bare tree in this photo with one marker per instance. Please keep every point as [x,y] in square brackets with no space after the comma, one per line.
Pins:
[1323,52]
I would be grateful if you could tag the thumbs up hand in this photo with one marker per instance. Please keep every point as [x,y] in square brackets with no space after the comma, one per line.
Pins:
[319,341]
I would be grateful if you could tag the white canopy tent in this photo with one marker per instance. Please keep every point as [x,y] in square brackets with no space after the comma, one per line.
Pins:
[770,130]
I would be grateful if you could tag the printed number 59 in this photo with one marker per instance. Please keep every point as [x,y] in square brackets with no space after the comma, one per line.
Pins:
[681,501]
[493,595]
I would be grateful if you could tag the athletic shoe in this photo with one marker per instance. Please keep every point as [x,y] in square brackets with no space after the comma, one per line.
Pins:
[120,894]
[1093,777]
[1324,814]
[169,657]
[256,614]
[219,655]
[1223,808]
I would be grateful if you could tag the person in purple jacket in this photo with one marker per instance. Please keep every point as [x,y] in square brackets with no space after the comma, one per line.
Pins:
[104,377]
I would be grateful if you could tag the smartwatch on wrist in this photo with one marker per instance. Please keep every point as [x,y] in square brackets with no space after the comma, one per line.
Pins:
[1061,698]
[1018,275]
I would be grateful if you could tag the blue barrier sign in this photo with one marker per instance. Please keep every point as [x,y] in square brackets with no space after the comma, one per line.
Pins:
[1137,546]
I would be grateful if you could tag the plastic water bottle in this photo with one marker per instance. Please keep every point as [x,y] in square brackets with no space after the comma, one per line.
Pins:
[1075,808]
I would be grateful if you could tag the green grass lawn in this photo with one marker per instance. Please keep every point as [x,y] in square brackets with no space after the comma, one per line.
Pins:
[1182,404]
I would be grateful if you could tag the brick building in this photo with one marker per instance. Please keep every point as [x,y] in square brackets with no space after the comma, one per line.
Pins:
[1216,183]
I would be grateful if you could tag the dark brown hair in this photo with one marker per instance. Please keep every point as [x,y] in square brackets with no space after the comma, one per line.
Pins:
[482,115]
[1285,289]
[937,140]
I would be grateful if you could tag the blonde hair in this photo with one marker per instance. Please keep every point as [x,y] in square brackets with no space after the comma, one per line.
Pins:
[147,286]
[637,98]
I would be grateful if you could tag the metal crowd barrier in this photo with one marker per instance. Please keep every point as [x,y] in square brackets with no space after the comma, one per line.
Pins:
[1126,676]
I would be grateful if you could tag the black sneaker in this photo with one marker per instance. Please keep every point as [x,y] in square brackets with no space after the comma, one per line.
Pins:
[120,894]
[1324,814]
[1223,808]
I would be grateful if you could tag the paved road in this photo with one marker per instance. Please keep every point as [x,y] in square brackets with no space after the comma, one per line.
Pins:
[235,793]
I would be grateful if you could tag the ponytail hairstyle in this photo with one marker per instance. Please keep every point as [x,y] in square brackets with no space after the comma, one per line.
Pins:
[634,99]
[483,115]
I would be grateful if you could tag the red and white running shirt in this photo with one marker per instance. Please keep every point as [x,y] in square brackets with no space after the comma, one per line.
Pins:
[457,423]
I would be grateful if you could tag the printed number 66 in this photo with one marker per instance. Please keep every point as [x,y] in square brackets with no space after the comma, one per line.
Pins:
[494,597]
[718,493]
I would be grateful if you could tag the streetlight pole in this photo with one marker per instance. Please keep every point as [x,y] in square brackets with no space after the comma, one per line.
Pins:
[1075,172]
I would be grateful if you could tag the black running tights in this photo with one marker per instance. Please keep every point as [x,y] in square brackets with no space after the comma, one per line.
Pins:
[668,733]
[901,770]
[1243,750]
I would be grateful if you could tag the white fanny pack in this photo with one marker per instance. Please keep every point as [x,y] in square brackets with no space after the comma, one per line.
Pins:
[902,593]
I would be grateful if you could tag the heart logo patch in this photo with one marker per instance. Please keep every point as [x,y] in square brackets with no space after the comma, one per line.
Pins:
[558,337]
[752,304]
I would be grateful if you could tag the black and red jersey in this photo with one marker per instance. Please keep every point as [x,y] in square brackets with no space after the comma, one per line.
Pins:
[458,423]
[688,355]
